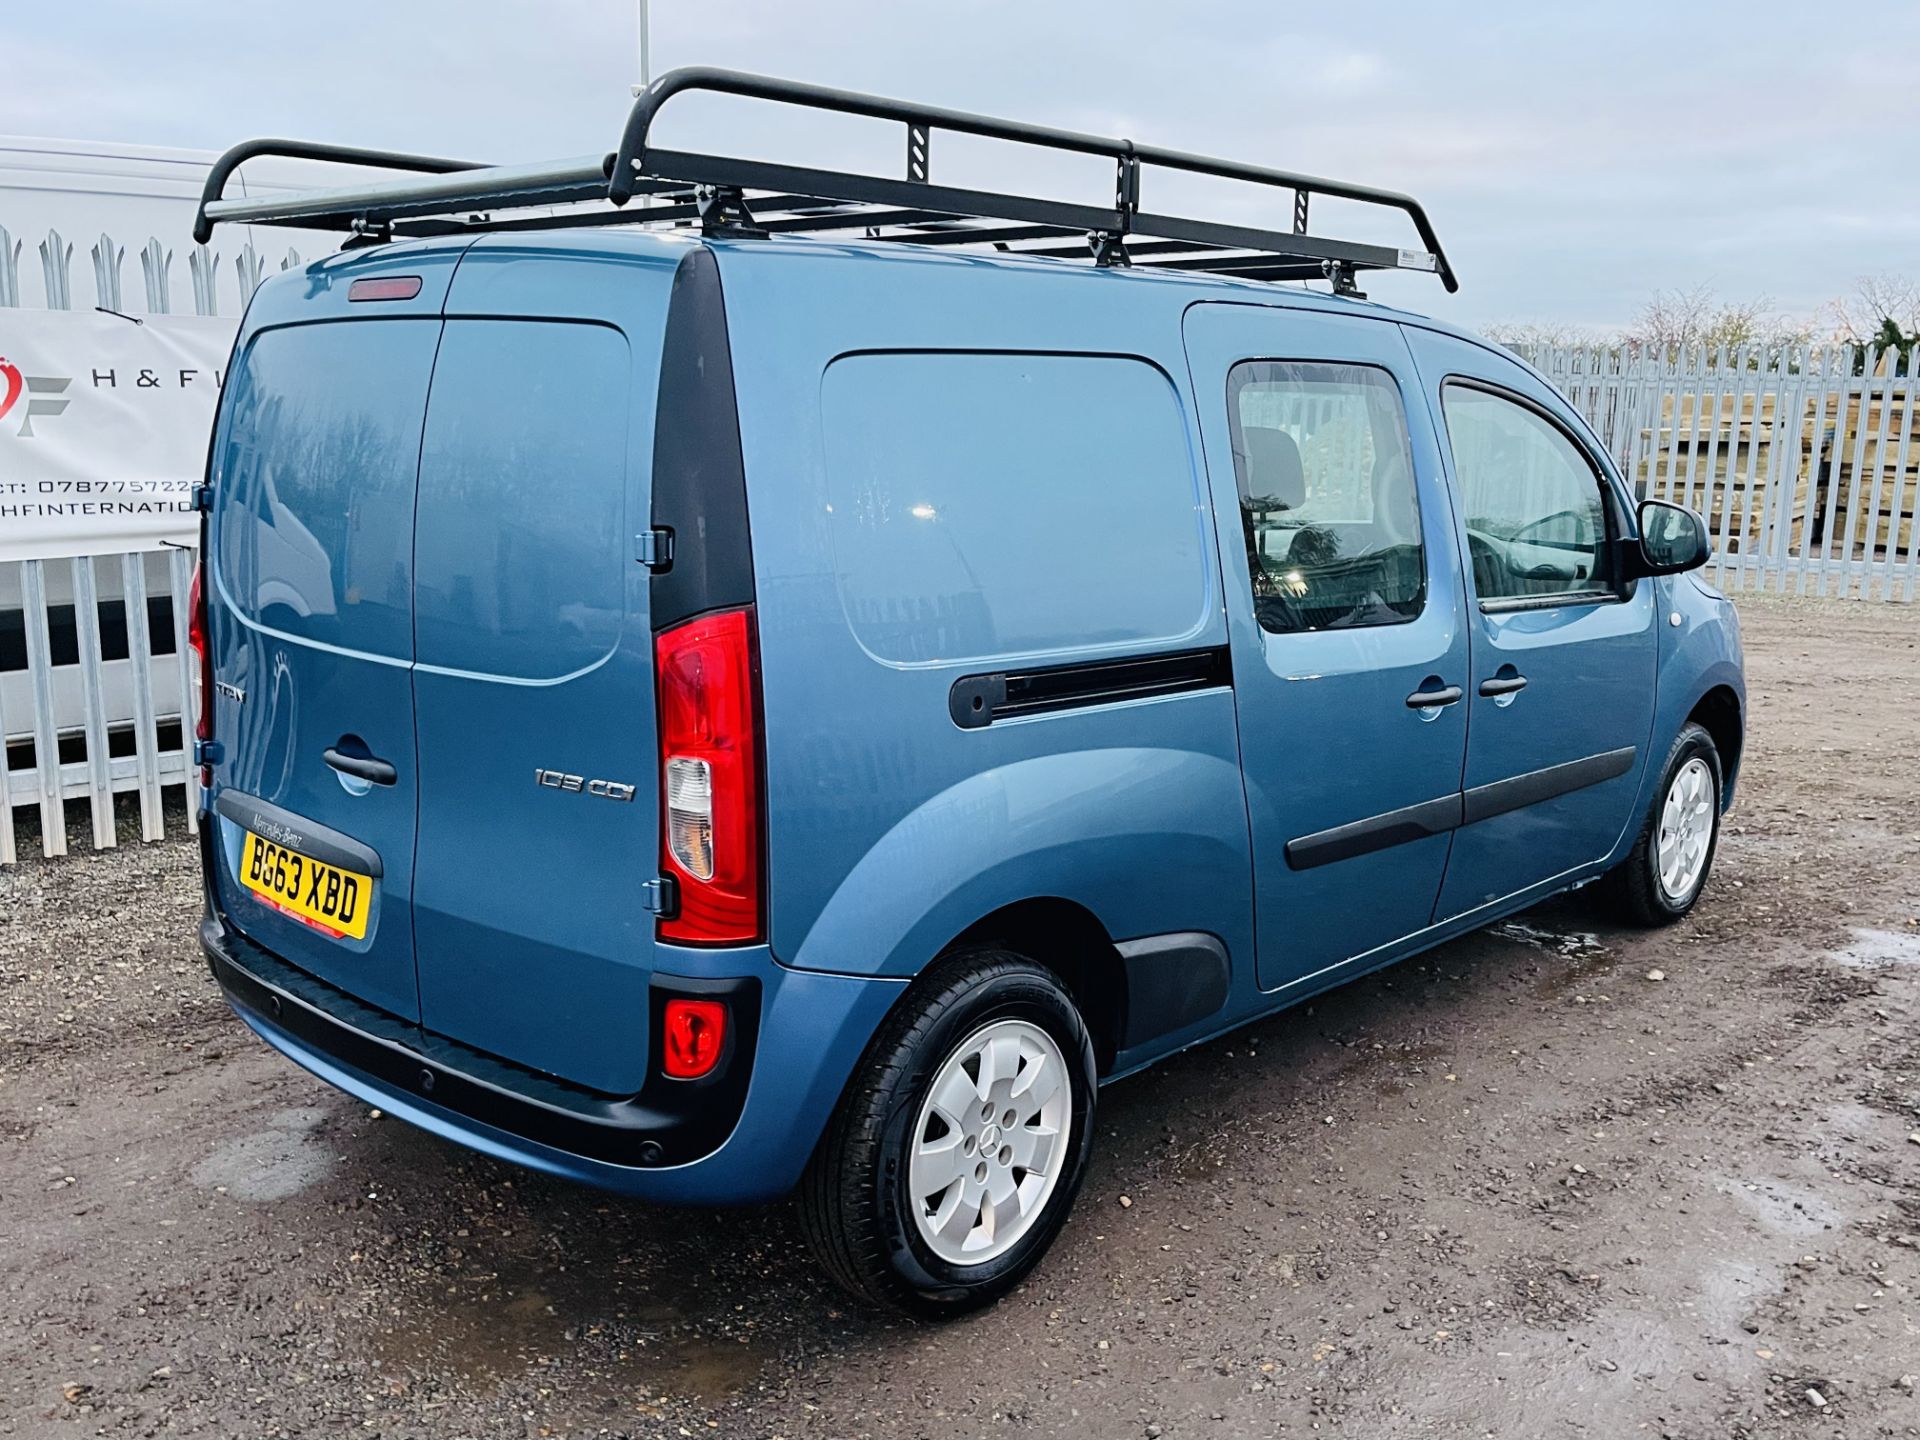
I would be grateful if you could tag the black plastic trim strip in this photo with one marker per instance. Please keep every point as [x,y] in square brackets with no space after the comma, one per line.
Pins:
[1450,812]
[296,832]
[1173,981]
[976,701]
[669,1122]
[699,475]
[1377,832]
[1483,802]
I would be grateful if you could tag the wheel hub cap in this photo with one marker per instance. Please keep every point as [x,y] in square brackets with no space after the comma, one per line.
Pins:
[990,1142]
[1686,830]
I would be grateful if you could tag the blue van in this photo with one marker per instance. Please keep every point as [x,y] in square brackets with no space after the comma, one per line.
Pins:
[795,693]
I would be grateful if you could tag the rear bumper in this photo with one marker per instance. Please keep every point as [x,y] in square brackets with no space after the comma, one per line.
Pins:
[742,1136]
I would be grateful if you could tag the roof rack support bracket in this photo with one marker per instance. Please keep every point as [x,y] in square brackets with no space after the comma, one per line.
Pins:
[1109,250]
[1342,274]
[367,232]
[1110,246]
[723,211]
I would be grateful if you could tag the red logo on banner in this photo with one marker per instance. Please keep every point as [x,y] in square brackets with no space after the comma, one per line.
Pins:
[46,395]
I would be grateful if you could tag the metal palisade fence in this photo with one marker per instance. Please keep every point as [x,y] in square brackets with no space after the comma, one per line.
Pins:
[1804,462]
[94,663]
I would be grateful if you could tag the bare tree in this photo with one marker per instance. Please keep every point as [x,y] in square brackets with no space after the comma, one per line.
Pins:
[1536,334]
[1861,318]
[1677,320]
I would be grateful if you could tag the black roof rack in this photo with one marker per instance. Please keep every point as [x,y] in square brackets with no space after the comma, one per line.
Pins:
[728,195]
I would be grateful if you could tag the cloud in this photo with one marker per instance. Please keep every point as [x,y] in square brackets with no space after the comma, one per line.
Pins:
[1355,72]
[1571,165]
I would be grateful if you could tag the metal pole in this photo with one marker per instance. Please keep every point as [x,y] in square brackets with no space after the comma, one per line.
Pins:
[646,58]
[644,18]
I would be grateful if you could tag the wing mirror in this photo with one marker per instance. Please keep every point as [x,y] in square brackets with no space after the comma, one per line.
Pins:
[1672,538]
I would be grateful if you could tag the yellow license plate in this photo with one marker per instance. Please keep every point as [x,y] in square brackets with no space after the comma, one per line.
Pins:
[324,896]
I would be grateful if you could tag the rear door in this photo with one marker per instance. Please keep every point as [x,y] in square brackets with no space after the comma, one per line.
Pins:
[534,684]
[311,588]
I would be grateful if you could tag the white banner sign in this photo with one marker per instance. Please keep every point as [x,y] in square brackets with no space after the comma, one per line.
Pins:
[103,429]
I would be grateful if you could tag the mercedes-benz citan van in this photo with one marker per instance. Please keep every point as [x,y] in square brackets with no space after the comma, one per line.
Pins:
[798,692]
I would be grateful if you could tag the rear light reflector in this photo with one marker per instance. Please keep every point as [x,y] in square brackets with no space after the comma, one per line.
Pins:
[696,1033]
[384,287]
[704,675]
[202,663]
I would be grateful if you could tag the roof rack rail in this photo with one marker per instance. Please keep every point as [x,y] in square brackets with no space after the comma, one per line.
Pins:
[752,197]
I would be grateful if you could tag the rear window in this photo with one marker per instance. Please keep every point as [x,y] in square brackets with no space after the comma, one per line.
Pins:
[524,554]
[988,505]
[318,449]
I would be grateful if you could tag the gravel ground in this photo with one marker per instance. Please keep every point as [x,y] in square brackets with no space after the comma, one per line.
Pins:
[1518,1187]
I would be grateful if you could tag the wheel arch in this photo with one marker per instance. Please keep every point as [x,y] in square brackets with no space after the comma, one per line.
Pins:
[1718,712]
[1068,939]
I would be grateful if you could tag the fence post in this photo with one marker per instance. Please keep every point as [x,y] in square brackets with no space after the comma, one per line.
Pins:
[180,586]
[46,743]
[1912,570]
[155,263]
[204,266]
[9,268]
[7,856]
[106,273]
[250,268]
[146,728]
[1863,401]
[86,624]
[56,255]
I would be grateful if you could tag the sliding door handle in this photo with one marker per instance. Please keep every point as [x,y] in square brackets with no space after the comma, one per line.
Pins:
[1429,699]
[1503,685]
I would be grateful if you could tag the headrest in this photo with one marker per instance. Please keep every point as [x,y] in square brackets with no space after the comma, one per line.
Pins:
[1273,467]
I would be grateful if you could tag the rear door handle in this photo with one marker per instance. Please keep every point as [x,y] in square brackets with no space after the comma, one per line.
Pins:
[1503,685]
[1427,699]
[363,767]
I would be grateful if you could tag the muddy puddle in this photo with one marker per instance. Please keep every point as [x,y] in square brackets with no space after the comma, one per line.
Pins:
[276,1162]
[1879,949]
[494,1327]
[1571,959]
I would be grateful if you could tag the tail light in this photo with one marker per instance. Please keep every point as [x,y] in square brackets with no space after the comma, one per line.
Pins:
[696,1033]
[202,663]
[710,777]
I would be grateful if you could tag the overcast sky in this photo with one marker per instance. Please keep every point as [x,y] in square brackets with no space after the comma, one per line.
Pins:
[1573,157]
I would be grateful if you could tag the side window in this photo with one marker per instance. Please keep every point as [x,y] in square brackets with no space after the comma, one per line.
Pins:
[1327,496]
[984,505]
[1536,512]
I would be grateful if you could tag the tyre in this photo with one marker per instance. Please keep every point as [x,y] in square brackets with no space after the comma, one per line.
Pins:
[955,1154]
[1663,876]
